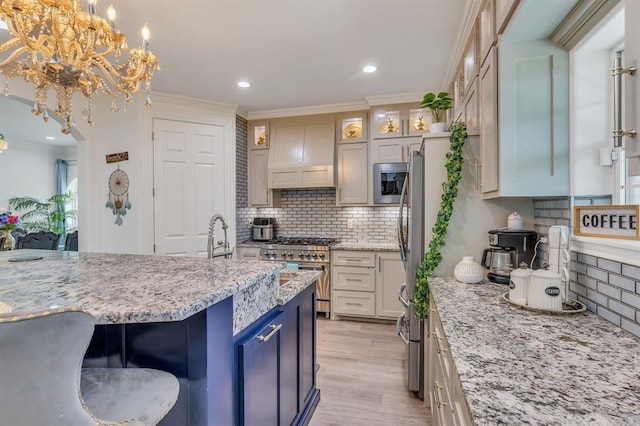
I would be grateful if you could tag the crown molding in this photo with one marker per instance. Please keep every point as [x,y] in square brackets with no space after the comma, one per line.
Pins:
[395,98]
[583,18]
[471,11]
[307,110]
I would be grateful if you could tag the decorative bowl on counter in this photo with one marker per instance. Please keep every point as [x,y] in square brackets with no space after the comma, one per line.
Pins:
[468,271]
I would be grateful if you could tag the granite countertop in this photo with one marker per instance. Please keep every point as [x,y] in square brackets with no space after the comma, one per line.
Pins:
[366,246]
[296,282]
[522,367]
[121,288]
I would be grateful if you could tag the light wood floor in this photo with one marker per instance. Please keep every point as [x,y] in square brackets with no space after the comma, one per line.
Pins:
[362,377]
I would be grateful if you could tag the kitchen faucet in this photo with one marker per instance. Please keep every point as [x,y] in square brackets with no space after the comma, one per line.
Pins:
[225,244]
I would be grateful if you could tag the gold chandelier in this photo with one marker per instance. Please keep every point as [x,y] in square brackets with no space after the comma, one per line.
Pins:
[57,45]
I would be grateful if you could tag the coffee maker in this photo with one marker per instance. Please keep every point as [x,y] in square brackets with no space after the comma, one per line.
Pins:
[508,249]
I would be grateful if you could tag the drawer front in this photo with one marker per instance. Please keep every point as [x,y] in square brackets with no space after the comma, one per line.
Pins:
[353,258]
[440,399]
[354,279]
[354,303]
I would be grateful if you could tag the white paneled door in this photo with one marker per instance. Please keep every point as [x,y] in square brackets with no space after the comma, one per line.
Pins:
[188,175]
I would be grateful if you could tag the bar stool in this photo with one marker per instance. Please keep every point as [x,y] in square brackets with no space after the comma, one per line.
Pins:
[42,380]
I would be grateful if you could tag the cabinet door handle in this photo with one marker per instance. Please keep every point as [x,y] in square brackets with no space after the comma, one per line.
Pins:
[353,280]
[478,175]
[437,339]
[436,391]
[353,304]
[352,260]
[274,330]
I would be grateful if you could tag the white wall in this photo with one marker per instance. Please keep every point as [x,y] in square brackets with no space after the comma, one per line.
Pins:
[28,169]
[130,131]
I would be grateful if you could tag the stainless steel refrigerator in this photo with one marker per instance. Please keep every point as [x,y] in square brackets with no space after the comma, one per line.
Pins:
[410,230]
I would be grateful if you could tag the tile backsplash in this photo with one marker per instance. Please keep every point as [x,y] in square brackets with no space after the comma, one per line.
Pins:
[313,213]
[242,190]
[609,288]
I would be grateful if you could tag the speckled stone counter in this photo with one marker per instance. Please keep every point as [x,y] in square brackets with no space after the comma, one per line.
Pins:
[296,282]
[366,246]
[523,367]
[118,289]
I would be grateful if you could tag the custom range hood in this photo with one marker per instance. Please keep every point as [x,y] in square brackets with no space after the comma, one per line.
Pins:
[302,153]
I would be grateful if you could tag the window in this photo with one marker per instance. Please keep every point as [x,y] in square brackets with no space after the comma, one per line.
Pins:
[72,204]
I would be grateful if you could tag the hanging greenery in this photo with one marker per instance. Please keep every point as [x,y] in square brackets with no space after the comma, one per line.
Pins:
[433,256]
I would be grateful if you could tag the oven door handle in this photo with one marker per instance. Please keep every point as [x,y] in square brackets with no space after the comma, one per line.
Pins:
[311,267]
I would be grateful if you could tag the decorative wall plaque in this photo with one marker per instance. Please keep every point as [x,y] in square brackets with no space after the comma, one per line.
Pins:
[607,221]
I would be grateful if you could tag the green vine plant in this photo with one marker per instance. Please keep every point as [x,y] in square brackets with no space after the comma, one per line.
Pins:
[433,256]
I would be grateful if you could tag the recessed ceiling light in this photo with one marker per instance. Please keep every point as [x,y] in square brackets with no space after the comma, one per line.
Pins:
[51,138]
[369,68]
[244,84]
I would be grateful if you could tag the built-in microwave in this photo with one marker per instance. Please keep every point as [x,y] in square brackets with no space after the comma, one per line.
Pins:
[388,179]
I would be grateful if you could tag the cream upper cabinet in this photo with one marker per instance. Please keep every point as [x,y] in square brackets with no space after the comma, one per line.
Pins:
[488,124]
[486,29]
[533,119]
[470,60]
[394,121]
[389,276]
[504,10]
[352,127]
[257,171]
[259,193]
[393,150]
[353,173]
[301,153]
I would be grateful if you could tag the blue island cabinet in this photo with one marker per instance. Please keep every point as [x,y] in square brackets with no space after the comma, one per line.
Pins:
[276,360]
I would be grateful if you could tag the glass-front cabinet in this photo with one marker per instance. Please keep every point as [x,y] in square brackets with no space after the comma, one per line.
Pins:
[352,127]
[259,135]
[400,120]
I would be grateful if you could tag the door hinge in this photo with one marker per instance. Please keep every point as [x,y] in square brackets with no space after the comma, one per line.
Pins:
[154,248]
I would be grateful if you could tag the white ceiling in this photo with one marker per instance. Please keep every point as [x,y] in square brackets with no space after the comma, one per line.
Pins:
[295,53]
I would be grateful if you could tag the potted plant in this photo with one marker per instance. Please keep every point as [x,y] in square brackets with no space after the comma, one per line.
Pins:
[438,104]
[48,216]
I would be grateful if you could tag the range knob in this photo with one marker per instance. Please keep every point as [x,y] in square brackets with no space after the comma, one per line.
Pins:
[314,255]
[290,255]
[321,255]
[307,255]
[284,255]
[300,255]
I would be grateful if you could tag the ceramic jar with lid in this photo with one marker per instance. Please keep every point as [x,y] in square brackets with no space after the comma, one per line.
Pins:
[519,284]
[514,222]
[546,290]
[468,271]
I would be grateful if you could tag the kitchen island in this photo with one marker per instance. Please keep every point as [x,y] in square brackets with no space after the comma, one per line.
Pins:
[187,316]
[521,367]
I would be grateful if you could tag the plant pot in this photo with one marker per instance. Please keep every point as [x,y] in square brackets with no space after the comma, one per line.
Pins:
[439,127]
[8,243]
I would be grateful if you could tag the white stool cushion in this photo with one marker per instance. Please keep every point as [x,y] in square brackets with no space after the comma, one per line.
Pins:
[141,396]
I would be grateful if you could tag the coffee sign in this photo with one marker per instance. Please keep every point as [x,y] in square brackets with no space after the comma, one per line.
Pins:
[607,221]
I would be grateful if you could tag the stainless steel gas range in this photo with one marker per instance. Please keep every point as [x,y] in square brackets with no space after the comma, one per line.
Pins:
[307,253]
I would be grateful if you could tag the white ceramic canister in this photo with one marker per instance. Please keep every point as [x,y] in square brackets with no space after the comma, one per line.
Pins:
[514,222]
[546,290]
[468,271]
[519,284]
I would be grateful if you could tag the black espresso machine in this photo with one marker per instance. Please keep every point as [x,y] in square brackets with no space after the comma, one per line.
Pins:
[508,249]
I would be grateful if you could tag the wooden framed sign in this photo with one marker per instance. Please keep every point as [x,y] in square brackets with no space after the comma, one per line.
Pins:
[117,157]
[607,221]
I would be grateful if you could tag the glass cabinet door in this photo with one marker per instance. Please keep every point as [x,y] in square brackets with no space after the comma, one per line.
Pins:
[388,124]
[259,136]
[352,127]
[419,121]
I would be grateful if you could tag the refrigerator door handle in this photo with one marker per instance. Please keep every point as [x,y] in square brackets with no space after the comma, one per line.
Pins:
[402,240]
[403,291]
[400,325]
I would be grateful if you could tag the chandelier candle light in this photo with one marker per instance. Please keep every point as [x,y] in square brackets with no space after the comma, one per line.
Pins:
[57,45]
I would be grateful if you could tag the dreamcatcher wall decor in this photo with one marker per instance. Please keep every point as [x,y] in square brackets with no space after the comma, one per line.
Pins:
[118,194]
